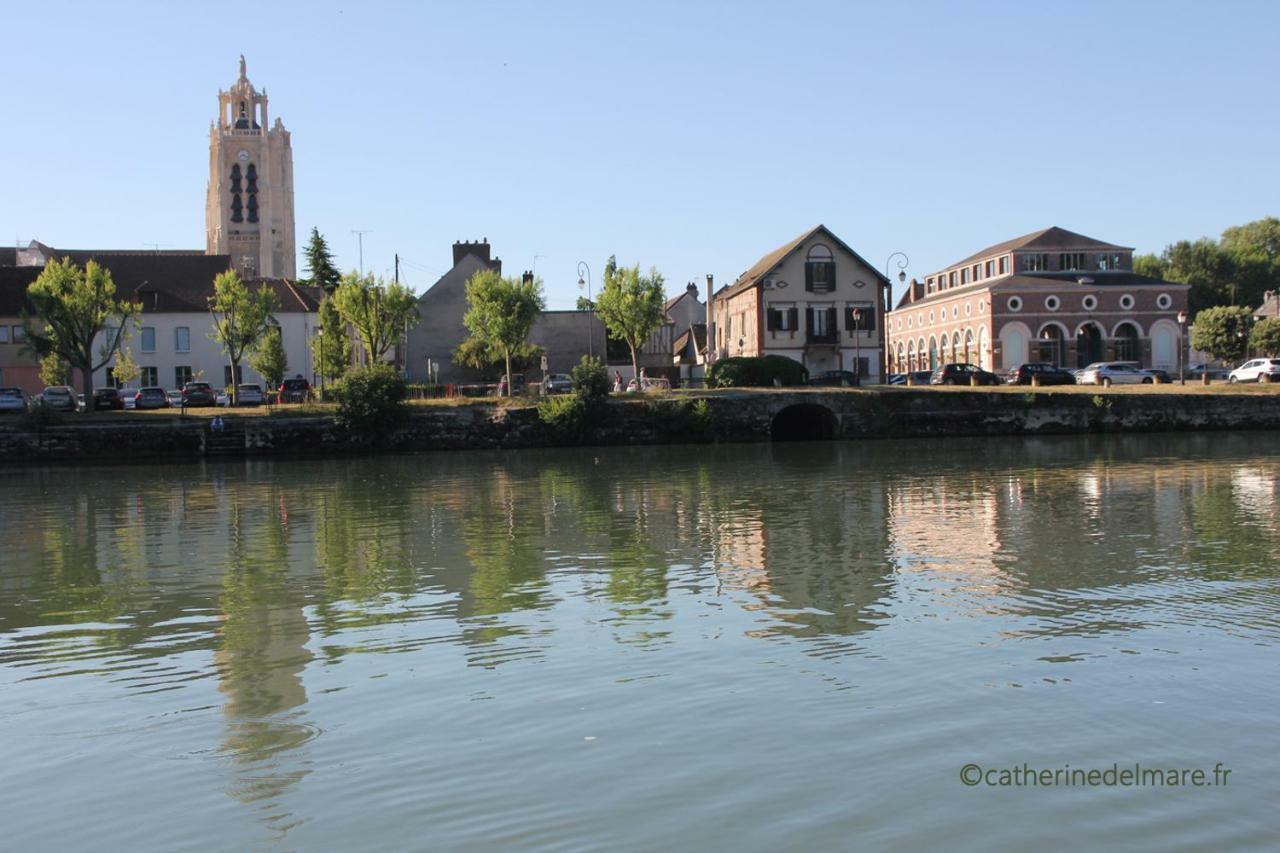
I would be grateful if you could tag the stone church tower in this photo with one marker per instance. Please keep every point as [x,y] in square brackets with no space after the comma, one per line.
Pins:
[249,211]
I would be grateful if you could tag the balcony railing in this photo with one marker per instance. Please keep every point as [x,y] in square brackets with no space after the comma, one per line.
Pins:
[822,338]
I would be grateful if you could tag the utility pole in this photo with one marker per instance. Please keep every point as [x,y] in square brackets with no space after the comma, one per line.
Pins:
[360,237]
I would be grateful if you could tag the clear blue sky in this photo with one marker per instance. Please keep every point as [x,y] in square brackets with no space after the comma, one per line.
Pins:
[693,137]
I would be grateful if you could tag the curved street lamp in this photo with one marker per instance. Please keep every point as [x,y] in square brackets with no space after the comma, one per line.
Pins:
[583,269]
[888,299]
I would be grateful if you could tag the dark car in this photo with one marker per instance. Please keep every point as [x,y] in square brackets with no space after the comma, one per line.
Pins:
[60,398]
[151,398]
[198,394]
[295,390]
[963,374]
[835,378]
[1042,371]
[107,398]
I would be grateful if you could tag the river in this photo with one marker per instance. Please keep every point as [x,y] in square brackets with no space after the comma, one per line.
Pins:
[752,647]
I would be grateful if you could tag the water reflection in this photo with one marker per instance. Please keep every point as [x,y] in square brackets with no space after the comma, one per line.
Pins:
[267,572]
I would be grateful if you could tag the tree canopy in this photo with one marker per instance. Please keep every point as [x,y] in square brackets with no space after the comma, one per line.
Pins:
[126,368]
[1234,270]
[1265,337]
[491,361]
[630,305]
[320,266]
[240,318]
[333,347]
[1223,332]
[269,358]
[379,312]
[500,313]
[72,306]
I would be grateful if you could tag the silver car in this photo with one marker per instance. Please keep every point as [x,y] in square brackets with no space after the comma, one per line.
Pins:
[1108,373]
[60,398]
[12,400]
[250,395]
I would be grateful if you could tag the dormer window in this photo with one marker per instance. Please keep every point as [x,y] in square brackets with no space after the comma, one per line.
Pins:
[1035,263]
[820,270]
[1071,261]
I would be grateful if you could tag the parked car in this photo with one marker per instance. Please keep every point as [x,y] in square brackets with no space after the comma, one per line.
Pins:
[222,397]
[12,400]
[918,377]
[295,390]
[962,374]
[835,378]
[1256,370]
[60,398]
[107,398]
[1108,373]
[175,397]
[1044,372]
[1197,371]
[151,398]
[1157,373]
[558,383]
[198,394]
[250,395]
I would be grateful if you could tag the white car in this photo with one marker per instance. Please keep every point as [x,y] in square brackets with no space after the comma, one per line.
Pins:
[1108,373]
[1257,370]
[250,395]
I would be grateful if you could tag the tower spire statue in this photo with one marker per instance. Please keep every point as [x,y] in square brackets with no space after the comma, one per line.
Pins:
[243,75]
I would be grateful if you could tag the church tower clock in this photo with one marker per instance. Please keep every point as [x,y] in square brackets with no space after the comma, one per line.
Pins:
[249,210]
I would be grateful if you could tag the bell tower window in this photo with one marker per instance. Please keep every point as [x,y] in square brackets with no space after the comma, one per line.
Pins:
[251,177]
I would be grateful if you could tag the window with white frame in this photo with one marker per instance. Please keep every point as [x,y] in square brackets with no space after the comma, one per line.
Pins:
[149,377]
[182,339]
[148,340]
[4,334]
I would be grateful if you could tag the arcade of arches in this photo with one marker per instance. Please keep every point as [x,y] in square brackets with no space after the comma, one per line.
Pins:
[1052,343]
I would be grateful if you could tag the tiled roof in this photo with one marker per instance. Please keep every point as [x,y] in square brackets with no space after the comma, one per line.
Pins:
[1047,238]
[765,265]
[1270,306]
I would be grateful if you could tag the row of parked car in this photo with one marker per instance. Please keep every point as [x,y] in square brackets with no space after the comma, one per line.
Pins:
[63,398]
[1104,373]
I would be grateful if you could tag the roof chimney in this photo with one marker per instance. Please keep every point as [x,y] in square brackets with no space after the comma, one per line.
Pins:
[527,278]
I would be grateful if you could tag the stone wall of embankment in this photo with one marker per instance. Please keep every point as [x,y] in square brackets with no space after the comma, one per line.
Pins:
[740,416]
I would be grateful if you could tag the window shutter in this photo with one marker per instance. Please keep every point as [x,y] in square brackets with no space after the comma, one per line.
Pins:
[868,323]
[832,319]
[771,319]
[793,318]
[848,318]
[808,277]
[808,320]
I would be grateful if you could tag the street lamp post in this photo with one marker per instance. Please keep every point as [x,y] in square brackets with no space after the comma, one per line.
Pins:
[857,347]
[320,335]
[887,300]
[584,269]
[1182,347]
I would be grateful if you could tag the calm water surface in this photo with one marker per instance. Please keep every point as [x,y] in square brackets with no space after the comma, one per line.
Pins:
[732,648]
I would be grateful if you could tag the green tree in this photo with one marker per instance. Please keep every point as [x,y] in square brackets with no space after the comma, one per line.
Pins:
[491,361]
[501,311]
[1223,332]
[1254,249]
[126,369]
[1265,337]
[269,359]
[240,318]
[71,307]
[630,305]
[1150,266]
[584,304]
[1206,267]
[323,273]
[333,348]
[54,370]
[379,312]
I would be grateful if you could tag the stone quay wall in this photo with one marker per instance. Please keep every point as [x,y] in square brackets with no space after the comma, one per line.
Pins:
[727,417]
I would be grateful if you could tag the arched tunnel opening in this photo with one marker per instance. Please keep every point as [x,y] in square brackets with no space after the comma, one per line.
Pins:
[803,422]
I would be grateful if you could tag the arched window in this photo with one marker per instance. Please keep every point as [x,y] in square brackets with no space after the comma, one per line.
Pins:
[235,178]
[237,208]
[968,347]
[1128,343]
[911,356]
[933,353]
[820,270]
[1053,345]
[251,178]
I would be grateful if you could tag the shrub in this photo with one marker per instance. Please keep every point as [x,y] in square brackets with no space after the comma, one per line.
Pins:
[590,379]
[371,402]
[568,416]
[760,372]
[691,420]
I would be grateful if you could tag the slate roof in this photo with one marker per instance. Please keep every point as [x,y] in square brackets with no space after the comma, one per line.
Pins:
[1270,306]
[164,282]
[1046,238]
[769,262]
